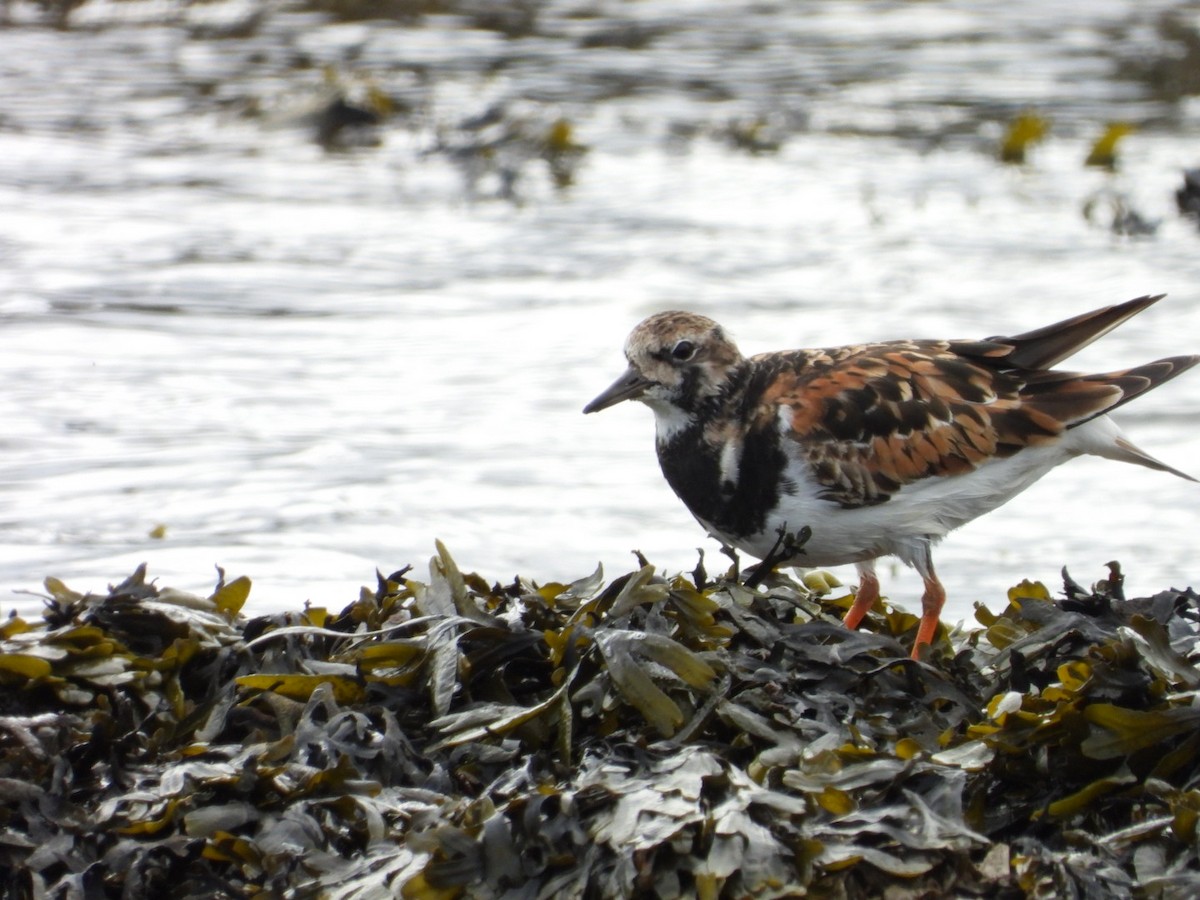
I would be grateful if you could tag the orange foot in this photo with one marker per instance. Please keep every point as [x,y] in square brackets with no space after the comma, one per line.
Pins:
[932,602]
[864,598]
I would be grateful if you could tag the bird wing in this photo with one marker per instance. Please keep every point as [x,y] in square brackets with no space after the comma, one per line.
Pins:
[873,418]
[1047,346]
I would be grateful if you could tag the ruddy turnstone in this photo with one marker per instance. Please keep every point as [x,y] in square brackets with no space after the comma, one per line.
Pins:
[880,449]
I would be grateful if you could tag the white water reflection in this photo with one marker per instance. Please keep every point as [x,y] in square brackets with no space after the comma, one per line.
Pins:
[306,365]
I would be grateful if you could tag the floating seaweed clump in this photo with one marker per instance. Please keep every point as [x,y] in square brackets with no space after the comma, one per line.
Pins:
[644,737]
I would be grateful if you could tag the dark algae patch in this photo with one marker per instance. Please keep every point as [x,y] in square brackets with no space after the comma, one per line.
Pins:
[443,736]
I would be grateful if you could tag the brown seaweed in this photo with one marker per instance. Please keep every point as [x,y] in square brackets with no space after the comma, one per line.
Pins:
[647,736]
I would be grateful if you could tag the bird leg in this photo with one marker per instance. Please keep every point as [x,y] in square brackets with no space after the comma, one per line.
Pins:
[932,602]
[865,596]
[787,545]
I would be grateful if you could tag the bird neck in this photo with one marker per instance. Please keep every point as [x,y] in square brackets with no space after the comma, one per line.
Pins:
[697,403]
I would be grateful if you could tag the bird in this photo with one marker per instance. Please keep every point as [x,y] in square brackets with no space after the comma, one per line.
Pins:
[877,449]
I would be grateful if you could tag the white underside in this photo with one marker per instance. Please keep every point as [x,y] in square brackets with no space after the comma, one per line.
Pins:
[920,513]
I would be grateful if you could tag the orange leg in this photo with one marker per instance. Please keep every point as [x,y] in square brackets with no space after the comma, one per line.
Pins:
[932,602]
[865,596]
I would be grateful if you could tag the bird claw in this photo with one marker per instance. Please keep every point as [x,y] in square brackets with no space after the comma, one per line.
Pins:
[787,545]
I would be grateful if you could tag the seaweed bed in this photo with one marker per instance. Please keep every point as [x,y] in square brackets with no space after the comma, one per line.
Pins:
[650,736]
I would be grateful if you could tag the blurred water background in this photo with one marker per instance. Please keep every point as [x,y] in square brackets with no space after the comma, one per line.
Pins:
[295,288]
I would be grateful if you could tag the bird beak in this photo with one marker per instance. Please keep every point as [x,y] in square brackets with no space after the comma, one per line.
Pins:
[629,386]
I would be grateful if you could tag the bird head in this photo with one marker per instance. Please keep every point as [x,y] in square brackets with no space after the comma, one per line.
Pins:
[677,362]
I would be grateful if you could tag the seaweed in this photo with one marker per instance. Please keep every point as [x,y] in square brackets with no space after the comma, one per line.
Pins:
[648,736]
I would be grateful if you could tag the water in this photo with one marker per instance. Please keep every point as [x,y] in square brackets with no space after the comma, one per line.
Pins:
[307,363]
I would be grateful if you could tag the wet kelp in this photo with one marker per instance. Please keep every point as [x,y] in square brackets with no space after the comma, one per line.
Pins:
[647,736]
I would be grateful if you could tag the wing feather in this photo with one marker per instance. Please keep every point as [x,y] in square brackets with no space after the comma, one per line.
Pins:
[874,418]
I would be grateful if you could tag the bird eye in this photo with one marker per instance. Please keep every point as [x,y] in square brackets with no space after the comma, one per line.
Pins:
[683,351]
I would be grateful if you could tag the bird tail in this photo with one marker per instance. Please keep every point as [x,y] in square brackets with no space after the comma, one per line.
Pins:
[1128,451]
[1080,399]
[1136,381]
[1103,437]
[1051,344]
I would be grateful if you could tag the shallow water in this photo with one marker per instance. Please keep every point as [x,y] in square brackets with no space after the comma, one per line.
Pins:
[307,363]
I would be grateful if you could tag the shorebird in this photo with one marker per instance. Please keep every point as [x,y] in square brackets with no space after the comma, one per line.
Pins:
[878,449]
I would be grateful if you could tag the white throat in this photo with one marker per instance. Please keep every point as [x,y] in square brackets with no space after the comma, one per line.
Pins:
[669,419]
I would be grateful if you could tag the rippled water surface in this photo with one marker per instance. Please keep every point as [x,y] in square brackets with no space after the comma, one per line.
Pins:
[307,361]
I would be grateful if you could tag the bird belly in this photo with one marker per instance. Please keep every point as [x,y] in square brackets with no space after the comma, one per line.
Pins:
[918,513]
